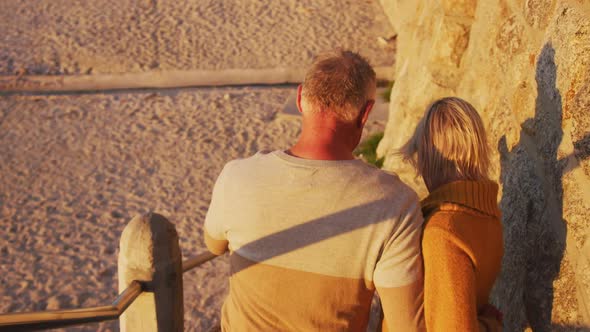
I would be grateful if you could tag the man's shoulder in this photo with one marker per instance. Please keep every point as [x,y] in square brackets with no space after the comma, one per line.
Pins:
[385,177]
[390,183]
[245,163]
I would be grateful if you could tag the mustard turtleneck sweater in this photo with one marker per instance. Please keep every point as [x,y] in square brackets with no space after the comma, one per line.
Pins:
[462,249]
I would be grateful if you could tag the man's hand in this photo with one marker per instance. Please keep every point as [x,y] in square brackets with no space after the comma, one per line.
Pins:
[491,311]
[490,319]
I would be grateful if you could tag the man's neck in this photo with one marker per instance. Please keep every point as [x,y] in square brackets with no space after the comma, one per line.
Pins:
[319,152]
[323,143]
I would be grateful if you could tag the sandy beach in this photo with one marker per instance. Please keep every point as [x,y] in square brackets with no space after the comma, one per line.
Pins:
[112,36]
[77,167]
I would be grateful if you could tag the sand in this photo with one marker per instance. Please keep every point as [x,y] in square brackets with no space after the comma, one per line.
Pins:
[77,167]
[119,36]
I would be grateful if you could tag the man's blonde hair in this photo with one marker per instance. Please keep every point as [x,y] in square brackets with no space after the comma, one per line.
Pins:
[338,81]
[449,143]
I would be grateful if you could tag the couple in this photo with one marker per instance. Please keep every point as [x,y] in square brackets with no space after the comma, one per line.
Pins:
[313,233]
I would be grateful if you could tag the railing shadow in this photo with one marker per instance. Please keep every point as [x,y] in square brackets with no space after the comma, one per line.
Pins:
[311,232]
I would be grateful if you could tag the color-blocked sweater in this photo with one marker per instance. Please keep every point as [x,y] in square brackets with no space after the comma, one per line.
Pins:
[311,240]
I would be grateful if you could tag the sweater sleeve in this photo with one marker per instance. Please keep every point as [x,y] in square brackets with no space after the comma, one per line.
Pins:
[450,302]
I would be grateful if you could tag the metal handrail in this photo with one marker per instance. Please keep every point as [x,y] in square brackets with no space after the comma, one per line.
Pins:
[191,263]
[51,319]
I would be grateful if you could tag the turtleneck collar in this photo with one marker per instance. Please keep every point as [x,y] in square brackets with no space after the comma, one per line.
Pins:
[477,195]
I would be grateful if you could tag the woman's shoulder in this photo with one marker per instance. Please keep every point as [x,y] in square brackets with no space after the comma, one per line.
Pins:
[461,224]
[453,217]
[464,231]
[442,225]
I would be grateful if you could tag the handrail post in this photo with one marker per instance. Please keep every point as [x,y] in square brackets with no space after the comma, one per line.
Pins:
[149,252]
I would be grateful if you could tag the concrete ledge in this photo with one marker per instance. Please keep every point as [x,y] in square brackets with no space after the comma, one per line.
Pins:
[161,79]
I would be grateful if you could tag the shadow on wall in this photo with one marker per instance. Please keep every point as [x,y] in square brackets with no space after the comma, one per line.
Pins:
[532,207]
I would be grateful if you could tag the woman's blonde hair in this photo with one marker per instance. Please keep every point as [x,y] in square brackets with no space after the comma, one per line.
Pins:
[449,143]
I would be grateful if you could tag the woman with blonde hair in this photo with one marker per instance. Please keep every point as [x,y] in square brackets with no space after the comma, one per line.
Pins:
[462,240]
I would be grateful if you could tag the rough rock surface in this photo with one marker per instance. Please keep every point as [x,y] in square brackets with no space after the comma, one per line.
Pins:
[525,65]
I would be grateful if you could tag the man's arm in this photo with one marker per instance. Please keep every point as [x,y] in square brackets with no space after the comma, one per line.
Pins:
[218,247]
[399,276]
[403,307]
[216,218]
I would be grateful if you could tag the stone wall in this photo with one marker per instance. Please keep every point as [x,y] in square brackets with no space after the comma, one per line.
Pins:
[525,65]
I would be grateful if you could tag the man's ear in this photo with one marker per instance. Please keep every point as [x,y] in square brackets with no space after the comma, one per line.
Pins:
[364,116]
[299,89]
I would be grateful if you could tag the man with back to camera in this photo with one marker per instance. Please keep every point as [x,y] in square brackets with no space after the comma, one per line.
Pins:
[312,231]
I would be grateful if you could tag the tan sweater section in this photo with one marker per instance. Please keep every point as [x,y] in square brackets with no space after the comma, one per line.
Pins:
[462,248]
